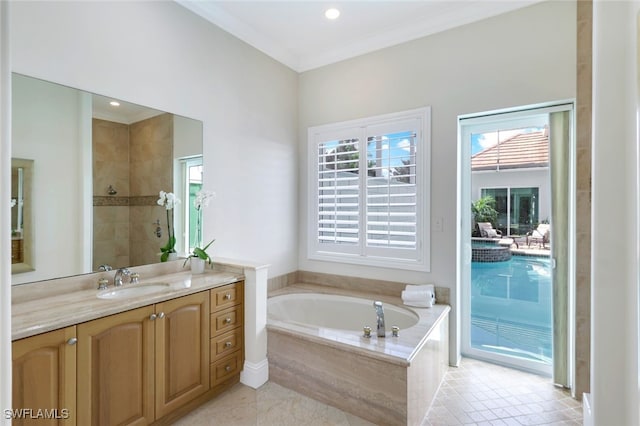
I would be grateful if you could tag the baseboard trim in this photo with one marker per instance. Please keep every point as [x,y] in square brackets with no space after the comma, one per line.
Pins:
[255,375]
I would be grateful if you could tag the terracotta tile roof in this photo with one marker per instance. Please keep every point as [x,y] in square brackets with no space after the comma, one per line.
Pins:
[520,151]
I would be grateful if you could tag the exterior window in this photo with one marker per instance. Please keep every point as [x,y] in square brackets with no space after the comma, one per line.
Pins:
[190,182]
[368,191]
[517,207]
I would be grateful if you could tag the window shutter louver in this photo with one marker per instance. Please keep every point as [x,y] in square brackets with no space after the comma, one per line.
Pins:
[368,187]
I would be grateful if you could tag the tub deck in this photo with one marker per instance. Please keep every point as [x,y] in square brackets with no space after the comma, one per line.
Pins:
[390,380]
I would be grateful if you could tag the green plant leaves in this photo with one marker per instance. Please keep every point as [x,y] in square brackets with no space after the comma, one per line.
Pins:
[200,253]
[168,248]
[483,209]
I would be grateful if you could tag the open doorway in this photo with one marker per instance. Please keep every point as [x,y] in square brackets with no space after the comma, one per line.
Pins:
[514,204]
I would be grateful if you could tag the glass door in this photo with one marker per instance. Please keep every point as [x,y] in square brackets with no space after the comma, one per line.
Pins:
[506,287]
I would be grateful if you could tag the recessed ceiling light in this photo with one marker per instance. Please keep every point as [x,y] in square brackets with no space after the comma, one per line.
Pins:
[114,103]
[332,13]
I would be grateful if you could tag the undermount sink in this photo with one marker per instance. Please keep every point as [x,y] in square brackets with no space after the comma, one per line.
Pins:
[132,290]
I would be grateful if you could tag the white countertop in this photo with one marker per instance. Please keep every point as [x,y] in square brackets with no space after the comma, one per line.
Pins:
[37,309]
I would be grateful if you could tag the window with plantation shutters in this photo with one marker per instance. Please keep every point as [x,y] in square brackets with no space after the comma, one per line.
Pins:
[369,191]
[338,192]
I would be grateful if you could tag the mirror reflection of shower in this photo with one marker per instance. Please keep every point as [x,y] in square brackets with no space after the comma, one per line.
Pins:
[21,228]
[18,203]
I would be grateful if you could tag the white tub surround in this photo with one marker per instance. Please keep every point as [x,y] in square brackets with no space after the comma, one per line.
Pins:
[390,380]
[256,367]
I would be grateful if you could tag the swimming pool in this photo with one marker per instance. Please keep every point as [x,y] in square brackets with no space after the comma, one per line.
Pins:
[511,307]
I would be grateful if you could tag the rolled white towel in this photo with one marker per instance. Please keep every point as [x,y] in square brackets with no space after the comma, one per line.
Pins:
[420,299]
[423,287]
[416,295]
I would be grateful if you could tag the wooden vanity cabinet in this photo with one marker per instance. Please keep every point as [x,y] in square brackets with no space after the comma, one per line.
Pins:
[44,377]
[116,368]
[227,334]
[138,366]
[182,351]
[147,365]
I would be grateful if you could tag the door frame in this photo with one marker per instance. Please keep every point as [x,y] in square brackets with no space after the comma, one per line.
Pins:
[526,116]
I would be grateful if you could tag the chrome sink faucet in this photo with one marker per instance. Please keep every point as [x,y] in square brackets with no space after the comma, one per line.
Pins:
[379,318]
[118,280]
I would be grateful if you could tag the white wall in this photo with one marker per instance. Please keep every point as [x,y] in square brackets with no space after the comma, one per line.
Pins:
[524,57]
[45,129]
[615,384]
[5,212]
[160,55]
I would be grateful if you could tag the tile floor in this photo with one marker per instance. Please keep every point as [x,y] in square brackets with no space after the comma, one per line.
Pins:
[476,393]
[479,393]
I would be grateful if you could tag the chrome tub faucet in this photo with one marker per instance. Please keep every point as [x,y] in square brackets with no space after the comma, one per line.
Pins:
[379,318]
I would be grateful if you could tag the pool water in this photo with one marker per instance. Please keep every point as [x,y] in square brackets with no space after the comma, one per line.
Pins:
[511,307]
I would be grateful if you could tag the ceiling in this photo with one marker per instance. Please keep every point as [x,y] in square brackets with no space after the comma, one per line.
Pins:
[297,34]
[124,112]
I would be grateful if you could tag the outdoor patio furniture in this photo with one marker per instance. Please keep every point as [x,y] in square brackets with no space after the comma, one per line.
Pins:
[519,240]
[487,230]
[539,235]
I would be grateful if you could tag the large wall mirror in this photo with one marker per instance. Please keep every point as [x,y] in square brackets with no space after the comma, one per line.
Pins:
[90,169]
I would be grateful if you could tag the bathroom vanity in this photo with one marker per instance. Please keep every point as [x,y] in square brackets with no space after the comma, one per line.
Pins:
[146,358]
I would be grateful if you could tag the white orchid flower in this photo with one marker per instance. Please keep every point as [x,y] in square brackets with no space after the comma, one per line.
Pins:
[172,200]
[203,198]
[162,199]
[168,200]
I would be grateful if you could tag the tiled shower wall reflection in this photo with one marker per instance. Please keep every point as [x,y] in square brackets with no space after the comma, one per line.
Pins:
[137,161]
[151,161]
[110,213]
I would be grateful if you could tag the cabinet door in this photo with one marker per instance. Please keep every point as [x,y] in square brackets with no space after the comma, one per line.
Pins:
[182,351]
[44,378]
[115,369]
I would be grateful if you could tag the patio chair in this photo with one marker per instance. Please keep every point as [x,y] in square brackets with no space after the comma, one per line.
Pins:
[540,235]
[487,230]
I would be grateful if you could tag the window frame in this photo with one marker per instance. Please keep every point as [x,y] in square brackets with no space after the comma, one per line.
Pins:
[362,254]
[185,208]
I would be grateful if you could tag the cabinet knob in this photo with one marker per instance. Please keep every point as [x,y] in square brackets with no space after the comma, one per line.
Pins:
[152,317]
[227,344]
[72,341]
[227,368]
[227,320]
[161,315]
[227,296]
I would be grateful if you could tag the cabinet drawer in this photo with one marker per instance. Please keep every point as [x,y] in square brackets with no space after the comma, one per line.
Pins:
[226,320]
[226,296]
[225,368]
[226,343]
